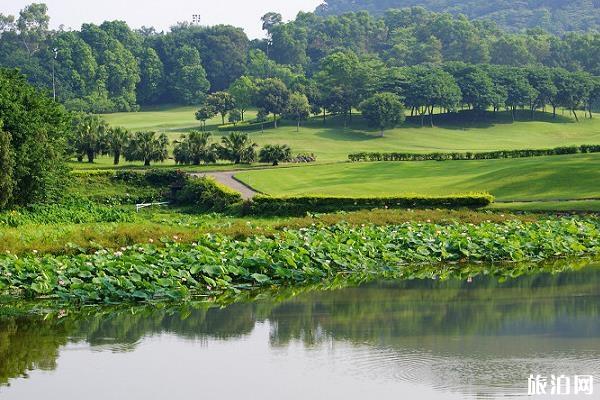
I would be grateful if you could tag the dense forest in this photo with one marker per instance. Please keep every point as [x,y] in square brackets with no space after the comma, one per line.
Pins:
[557,16]
[110,67]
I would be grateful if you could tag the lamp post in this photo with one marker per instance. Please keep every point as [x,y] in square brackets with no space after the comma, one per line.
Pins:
[55,50]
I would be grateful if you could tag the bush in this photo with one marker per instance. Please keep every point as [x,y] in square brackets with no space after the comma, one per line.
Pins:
[207,195]
[489,155]
[70,211]
[297,205]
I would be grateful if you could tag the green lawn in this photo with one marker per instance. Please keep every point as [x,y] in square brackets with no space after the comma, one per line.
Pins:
[538,178]
[333,142]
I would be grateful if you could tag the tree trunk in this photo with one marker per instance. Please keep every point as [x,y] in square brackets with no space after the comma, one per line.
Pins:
[324,116]
[575,115]
[223,119]
[553,112]
[275,121]
[298,126]
[117,158]
[79,158]
[147,163]
[381,135]
[90,156]
[242,111]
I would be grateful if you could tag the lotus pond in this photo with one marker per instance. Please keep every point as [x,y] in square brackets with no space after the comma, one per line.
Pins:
[425,338]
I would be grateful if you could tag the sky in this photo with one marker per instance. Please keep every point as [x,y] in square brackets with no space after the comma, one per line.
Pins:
[161,14]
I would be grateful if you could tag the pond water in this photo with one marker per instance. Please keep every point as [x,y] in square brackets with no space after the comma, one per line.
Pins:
[384,340]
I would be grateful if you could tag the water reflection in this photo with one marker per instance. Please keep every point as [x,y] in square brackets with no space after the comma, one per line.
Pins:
[426,338]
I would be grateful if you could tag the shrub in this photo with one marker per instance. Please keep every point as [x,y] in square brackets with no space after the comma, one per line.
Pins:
[207,195]
[275,154]
[297,205]
[489,155]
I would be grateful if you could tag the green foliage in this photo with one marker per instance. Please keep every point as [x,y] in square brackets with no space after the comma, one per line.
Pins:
[88,136]
[272,96]
[298,108]
[188,78]
[488,155]
[6,168]
[383,110]
[275,154]
[222,103]
[294,257]
[70,211]
[116,141]
[147,147]
[298,205]
[206,194]
[194,148]
[36,147]
[238,148]
[555,16]
[243,91]
[204,113]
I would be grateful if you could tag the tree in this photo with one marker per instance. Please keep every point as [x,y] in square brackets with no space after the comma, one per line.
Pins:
[204,113]
[151,77]
[540,78]
[35,130]
[235,116]
[275,154]
[222,103]
[116,141]
[147,147]
[33,26]
[476,86]
[273,97]
[383,110]
[238,148]
[194,148]
[6,168]
[243,91]
[88,137]
[188,78]
[298,109]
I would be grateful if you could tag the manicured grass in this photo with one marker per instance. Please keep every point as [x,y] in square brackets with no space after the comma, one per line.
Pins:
[539,178]
[332,142]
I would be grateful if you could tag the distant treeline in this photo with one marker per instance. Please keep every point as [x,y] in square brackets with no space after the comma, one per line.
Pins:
[488,155]
[558,16]
[110,67]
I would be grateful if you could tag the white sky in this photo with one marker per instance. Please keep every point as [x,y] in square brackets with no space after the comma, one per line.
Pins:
[163,13]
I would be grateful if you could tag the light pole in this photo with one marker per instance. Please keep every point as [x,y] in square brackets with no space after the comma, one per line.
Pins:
[55,50]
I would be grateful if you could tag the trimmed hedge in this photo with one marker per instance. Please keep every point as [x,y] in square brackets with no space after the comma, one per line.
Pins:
[206,194]
[298,205]
[489,155]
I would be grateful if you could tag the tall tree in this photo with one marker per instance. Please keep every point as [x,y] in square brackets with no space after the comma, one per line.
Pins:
[298,109]
[243,91]
[222,103]
[116,141]
[152,77]
[238,148]
[6,168]
[383,110]
[194,148]
[204,113]
[272,96]
[188,78]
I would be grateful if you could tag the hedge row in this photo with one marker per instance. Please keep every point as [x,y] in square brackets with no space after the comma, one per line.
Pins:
[489,155]
[298,205]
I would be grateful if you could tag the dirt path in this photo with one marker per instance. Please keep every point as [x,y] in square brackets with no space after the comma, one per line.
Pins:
[227,179]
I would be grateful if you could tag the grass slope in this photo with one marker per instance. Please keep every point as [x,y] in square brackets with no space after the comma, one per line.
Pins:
[540,178]
[333,142]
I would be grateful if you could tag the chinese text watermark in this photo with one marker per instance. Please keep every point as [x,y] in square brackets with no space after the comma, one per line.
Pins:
[558,385]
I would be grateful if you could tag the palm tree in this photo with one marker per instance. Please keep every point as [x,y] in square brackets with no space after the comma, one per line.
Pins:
[275,154]
[146,147]
[195,148]
[88,137]
[117,139]
[238,147]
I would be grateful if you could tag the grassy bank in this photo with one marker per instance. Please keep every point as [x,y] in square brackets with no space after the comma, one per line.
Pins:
[540,178]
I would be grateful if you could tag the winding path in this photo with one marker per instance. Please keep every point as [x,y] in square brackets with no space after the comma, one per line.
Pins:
[227,178]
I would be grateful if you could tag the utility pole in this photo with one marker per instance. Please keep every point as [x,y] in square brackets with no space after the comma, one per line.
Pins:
[55,50]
